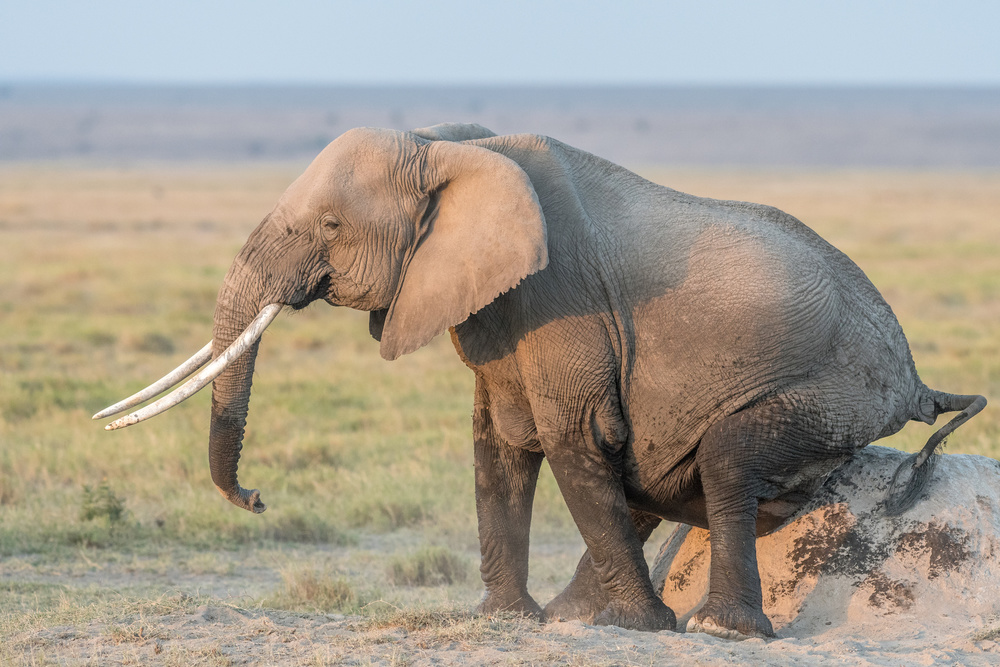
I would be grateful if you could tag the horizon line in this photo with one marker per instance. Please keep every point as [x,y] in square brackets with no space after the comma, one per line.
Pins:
[564,84]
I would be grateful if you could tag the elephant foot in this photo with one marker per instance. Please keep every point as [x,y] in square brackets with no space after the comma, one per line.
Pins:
[652,617]
[497,603]
[591,604]
[730,621]
[583,599]
[575,608]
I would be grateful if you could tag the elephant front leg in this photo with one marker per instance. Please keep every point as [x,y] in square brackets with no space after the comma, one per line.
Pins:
[505,487]
[596,499]
[584,598]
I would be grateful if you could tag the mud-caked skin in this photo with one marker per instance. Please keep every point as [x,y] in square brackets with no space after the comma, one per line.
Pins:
[671,357]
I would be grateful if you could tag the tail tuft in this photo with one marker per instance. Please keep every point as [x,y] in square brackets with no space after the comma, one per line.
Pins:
[902,495]
[904,491]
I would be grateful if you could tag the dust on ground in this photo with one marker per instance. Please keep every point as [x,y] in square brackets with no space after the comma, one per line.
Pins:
[222,618]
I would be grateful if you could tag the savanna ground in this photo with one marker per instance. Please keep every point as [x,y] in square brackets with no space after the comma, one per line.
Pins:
[115,548]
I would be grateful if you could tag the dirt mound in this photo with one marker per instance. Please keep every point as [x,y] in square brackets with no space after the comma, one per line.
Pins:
[841,567]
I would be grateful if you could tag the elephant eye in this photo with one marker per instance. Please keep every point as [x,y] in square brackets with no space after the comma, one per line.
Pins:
[330,225]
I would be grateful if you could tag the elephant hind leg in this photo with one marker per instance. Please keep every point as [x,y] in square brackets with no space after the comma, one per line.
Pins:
[584,597]
[746,460]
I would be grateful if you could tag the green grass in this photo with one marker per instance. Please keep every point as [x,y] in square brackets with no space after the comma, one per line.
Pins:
[108,280]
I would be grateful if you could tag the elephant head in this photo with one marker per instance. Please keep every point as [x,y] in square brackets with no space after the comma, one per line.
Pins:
[420,233]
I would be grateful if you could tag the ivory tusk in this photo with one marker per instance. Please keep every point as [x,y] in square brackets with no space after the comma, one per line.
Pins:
[207,374]
[161,385]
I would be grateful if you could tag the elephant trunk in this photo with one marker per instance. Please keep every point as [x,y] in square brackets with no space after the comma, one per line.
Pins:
[240,299]
[251,296]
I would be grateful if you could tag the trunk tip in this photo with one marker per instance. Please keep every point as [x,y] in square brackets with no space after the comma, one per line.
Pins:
[248,499]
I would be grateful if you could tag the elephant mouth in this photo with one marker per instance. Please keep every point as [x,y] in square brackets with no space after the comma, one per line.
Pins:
[321,290]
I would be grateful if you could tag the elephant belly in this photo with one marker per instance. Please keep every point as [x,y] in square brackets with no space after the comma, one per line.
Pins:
[674,495]
[678,496]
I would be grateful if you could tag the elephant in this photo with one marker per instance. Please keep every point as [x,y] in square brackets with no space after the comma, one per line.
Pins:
[672,357]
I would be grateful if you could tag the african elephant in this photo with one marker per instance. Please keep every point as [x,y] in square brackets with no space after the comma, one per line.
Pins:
[673,357]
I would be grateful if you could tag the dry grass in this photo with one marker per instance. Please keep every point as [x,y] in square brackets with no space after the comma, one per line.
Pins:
[986,634]
[108,278]
[308,589]
[428,566]
[450,624]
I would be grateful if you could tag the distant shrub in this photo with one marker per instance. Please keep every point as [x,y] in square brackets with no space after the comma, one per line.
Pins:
[386,514]
[153,343]
[102,502]
[15,409]
[305,456]
[305,528]
[100,338]
[429,566]
[8,493]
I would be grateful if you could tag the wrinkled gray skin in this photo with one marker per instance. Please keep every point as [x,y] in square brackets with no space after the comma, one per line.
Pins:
[673,357]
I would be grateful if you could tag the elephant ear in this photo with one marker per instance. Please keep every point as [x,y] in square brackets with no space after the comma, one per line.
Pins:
[483,233]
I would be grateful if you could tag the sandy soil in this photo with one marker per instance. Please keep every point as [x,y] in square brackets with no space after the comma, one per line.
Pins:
[221,634]
[217,619]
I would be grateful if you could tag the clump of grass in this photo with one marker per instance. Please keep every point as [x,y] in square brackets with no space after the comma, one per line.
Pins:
[102,503]
[16,409]
[382,514]
[989,633]
[151,343]
[133,633]
[315,591]
[452,625]
[304,456]
[100,338]
[429,566]
[92,535]
[10,493]
[414,619]
[306,528]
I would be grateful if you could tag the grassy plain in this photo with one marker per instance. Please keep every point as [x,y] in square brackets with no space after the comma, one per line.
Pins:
[108,279]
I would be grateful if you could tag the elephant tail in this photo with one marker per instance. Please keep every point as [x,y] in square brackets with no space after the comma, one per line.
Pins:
[903,493]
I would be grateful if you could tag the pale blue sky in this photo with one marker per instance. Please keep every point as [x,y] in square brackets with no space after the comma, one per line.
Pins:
[952,42]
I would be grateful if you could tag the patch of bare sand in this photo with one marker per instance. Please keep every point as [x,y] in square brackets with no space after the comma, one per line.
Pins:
[218,634]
